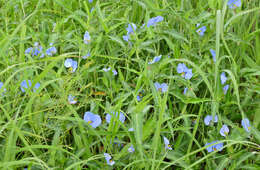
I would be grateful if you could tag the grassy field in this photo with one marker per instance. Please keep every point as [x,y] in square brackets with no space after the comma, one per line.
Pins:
[130,84]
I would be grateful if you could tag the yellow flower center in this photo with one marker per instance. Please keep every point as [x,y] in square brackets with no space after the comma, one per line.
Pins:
[110,160]
[160,89]
[214,149]
[169,145]
[89,121]
[182,73]
[70,69]
[226,133]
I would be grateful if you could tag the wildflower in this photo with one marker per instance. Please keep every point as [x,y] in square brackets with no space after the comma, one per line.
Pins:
[167,143]
[185,72]
[92,119]
[198,24]
[91,10]
[126,38]
[216,147]
[131,28]
[71,99]
[225,88]
[185,90]
[213,53]
[114,72]
[34,51]
[71,64]
[201,30]
[109,159]
[153,21]
[1,85]
[86,56]
[155,59]
[208,119]
[106,69]
[121,117]
[246,124]
[131,149]
[161,87]
[28,50]
[87,37]
[131,129]
[234,4]
[140,95]
[223,78]
[90,1]
[52,50]
[224,130]
[27,84]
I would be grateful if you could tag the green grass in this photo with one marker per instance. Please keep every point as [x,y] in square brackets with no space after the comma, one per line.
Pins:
[41,130]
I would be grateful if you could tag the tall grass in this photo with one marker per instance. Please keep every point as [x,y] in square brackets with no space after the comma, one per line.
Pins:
[41,130]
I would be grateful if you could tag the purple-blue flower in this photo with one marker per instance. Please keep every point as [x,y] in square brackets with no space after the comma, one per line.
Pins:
[1,85]
[126,37]
[201,30]
[71,64]
[121,117]
[167,143]
[161,87]
[153,21]
[155,59]
[234,4]
[131,149]
[52,50]
[27,84]
[213,53]
[140,95]
[34,51]
[87,38]
[216,147]
[109,159]
[224,130]
[223,78]
[131,28]
[131,129]
[246,124]
[185,72]
[225,88]
[92,119]
[208,119]
[185,90]
[86,56]
[90,1]
[114,72]
[106,69]
[71,99]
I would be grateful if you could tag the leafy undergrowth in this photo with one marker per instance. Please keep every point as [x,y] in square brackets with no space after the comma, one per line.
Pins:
[152,84]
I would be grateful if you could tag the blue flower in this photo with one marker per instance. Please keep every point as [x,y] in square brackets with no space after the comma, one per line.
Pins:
[225,88]
[114,72]
[52,50]
[71,64]
[131,149]
[234,4]
[27,84]
[224,130]
[1,85]
[34,51]
[71,99]
[246,124]
[153,21]
[155,59]
[216,147]
[131,28]
[161,87]
[208,119]
[140,95]
[106,69]
[126,38]
[167,143]
[86,56]
[92,119]
[121,117]
[90,1]
[109,159]
[185,90]
[223,78]
[201,30]
[185,72]
[87,38]
[131,129]
[213,53]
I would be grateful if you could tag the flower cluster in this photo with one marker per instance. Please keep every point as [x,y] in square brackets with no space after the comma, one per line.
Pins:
[185,72]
